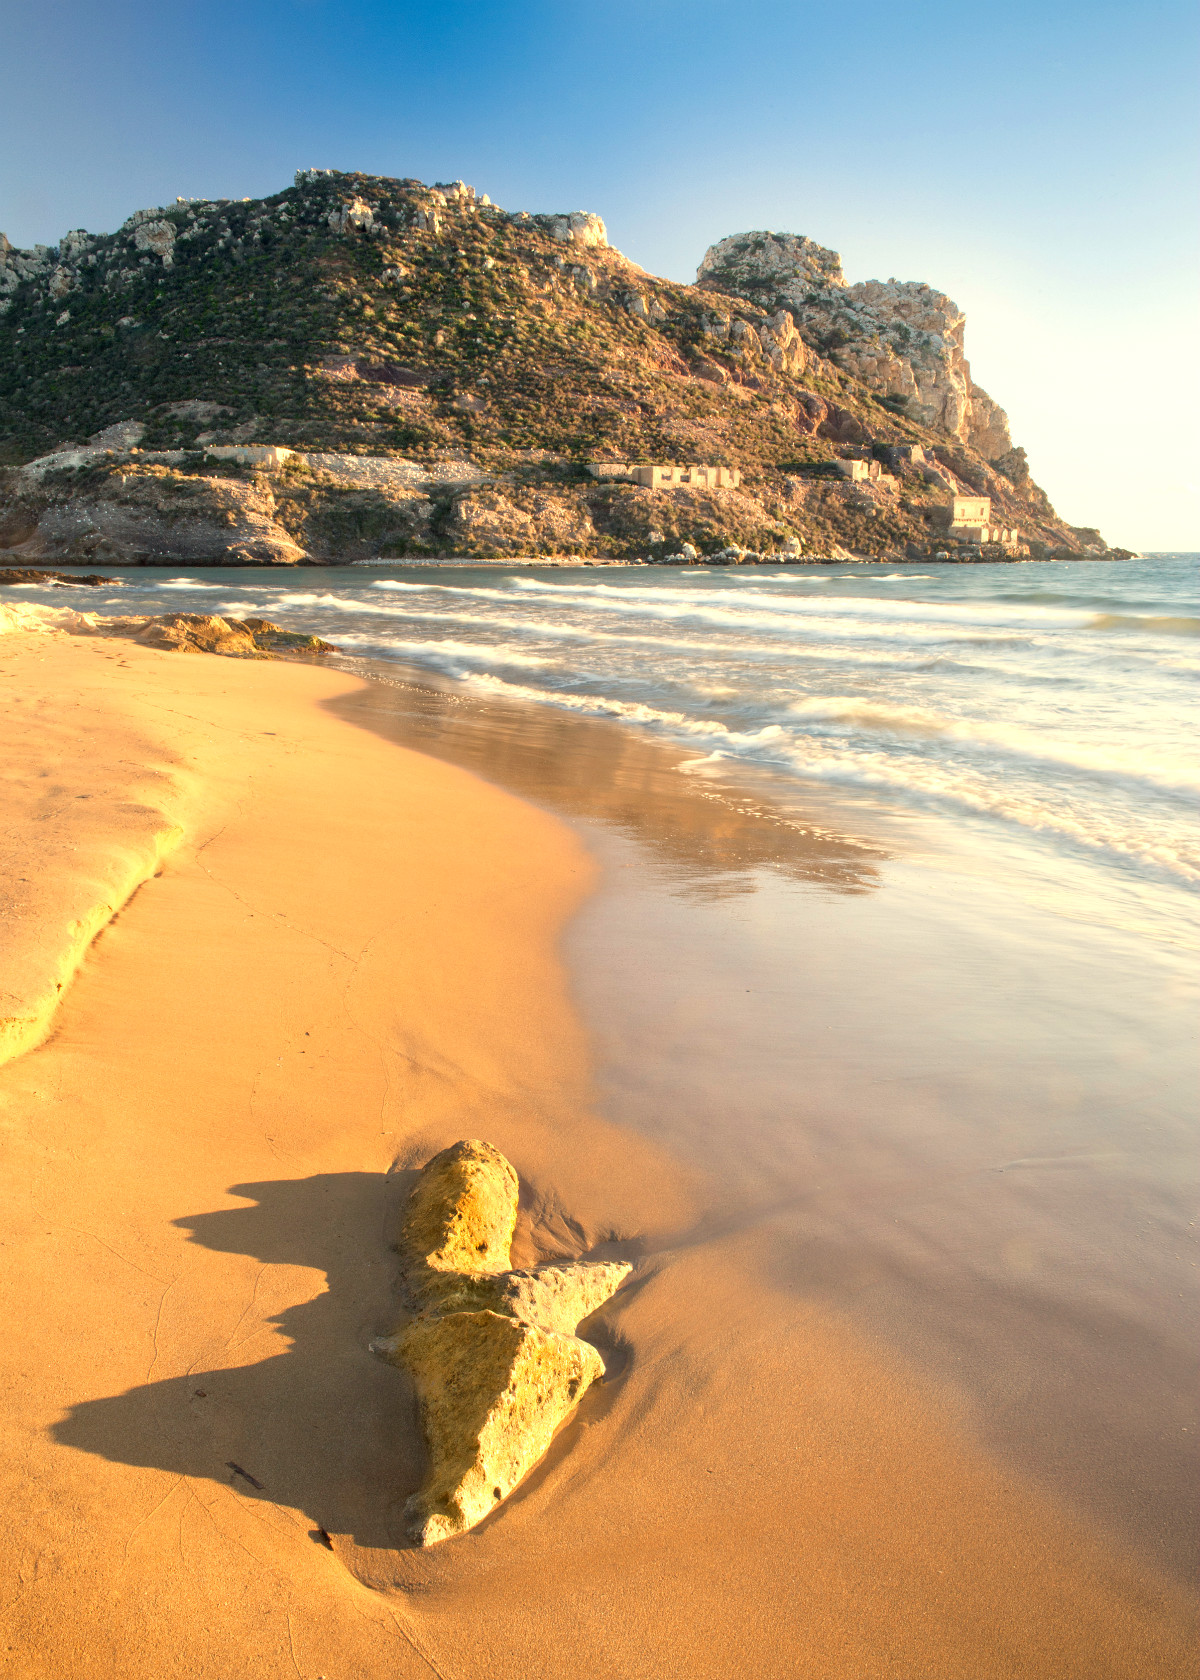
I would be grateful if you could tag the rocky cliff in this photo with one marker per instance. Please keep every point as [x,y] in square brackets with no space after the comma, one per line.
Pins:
[902,339]
[438,371]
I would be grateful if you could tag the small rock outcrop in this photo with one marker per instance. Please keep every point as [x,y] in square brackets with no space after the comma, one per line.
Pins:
[354,214]
[492,1353]
[157,238]
[16,266]
[237,638]
[579,227]
[30,574]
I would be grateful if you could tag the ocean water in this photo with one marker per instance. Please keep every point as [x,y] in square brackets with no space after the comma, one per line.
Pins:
[1042,709]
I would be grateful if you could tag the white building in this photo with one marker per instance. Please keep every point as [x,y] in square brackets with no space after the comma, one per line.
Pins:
[858,472]
[666,477]
[251,454]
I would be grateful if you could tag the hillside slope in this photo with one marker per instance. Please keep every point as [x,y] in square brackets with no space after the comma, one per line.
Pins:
[444,370]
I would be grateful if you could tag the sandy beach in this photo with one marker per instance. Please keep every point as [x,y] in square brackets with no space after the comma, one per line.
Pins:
[264,962]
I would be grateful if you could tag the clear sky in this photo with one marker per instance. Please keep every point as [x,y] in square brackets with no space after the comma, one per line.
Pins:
[1036,161]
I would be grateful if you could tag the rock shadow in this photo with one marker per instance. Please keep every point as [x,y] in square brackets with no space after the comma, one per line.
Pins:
[325,1427]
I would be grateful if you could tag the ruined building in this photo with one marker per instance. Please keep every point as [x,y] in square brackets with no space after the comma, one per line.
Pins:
[665,477]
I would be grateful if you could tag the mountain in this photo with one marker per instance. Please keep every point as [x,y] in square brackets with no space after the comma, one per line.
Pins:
[442,371]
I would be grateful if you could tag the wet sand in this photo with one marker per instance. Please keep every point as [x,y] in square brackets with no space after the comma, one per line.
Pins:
[353,957]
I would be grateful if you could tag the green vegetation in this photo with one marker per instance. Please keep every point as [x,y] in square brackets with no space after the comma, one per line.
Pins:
[260,296]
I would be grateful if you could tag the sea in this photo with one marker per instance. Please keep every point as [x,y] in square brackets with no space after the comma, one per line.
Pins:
[895,939]
[1044,708]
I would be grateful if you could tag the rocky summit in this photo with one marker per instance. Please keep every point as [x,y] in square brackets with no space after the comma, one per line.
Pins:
[359,367]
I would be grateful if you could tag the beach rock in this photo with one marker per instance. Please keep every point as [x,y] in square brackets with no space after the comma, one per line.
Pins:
[492,1393]
[237,638]
[28,574]
[205,632]
[553,1298]
[132,515]
[492,1353]
[462,1212]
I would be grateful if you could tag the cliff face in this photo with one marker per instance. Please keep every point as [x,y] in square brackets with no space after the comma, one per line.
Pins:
[901,339]
[442,369]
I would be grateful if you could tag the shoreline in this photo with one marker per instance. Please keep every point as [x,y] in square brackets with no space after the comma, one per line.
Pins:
[36,563]
[351,958]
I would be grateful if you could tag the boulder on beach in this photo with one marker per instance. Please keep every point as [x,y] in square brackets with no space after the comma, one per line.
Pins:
[462,1213]
[492,1393]
[492,1353]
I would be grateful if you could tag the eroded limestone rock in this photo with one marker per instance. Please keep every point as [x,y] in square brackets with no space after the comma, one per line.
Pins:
[29,574]
[492,1392]
[463,1210]
[157,238]
[492,1353]
[553,1298]
[579,227]
[237,638]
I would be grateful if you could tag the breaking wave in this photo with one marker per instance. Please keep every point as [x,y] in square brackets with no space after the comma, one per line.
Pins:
[925,781]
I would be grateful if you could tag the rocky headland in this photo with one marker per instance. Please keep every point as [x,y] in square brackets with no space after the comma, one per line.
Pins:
[361,367]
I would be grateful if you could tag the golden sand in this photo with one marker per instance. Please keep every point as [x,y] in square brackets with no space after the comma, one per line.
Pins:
[348,961]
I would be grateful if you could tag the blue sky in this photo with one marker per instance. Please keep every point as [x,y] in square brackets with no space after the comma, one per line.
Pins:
[1036,162]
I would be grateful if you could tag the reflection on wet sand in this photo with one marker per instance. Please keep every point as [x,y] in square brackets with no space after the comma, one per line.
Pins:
[709,837]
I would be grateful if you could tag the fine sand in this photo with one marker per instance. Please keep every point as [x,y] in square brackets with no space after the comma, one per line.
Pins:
[344,956]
